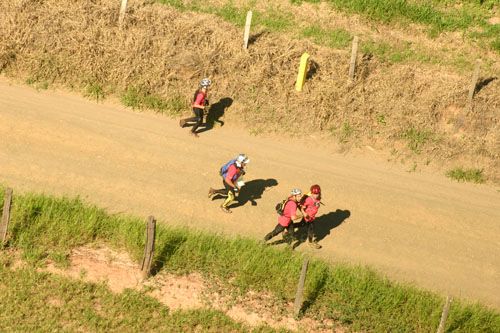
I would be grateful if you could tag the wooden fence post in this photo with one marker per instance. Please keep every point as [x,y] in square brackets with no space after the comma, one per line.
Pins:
[247,29]
[473,83]
[123,9]
[444,315]
[5,215]
[149,246]
[354,55]
[299,296]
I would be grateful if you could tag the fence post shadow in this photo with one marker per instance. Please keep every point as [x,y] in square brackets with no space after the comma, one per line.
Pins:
[166,251]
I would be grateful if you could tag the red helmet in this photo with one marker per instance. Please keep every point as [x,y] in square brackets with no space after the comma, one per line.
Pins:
[315,189]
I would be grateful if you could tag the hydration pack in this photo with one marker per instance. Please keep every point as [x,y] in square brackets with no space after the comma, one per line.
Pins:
[225,167]
[280,207]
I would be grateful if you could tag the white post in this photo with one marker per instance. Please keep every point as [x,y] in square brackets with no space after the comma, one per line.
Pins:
[123,8]
[444,315]
[473,83]
[247,29]
[354,55]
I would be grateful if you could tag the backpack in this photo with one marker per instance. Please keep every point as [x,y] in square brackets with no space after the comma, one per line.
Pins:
[225,167]
[280,206]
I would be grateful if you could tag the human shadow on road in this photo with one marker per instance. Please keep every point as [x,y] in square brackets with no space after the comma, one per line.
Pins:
[253,191]
[325,223]
[322,226]
[216,112]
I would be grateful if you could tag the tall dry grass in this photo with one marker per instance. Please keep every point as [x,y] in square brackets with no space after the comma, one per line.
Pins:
[163,52]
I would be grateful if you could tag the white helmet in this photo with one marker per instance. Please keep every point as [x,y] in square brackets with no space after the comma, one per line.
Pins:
[296,191]
[205,83]
[242,159]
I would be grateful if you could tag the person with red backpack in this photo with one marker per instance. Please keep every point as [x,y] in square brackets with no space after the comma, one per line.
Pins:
[309,205]
[200,101]
[231,172]
[287,213]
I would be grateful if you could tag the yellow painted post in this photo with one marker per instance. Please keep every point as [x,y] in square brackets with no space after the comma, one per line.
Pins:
[301,77]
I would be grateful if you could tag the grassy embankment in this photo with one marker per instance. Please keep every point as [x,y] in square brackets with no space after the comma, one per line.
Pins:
[46,227]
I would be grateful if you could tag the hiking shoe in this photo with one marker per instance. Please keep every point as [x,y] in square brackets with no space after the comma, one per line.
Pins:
[211,192]
[314,245]
[182,123]
[226,210]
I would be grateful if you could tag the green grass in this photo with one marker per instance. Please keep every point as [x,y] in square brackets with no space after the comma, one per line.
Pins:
[94,90]
[466,175]
[38,84]
[417,138]
[41,302]
[403,11]
[231,14]
[437,15]
[337,38]
[345,132]
[138,99]
[47,227]
[273,19]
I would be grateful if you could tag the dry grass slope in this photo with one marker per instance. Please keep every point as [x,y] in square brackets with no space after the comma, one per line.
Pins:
[418,111]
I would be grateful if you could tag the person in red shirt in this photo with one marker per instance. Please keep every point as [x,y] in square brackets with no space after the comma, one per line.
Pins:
[285,221]
[230,182]
[309,206]
[199,103]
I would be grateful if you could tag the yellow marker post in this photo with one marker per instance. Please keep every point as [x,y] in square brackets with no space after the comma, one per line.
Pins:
[302,72]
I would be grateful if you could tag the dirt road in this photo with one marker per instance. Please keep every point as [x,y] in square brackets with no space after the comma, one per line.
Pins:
[416,227]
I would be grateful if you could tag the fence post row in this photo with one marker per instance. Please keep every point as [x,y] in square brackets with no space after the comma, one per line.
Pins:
[299,296]
[5,215]
[149,247]
[247,29]
[444,315]
[354,55]
[123,9]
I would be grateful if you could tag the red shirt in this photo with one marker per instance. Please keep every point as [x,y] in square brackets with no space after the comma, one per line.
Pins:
[233,172]
[200,98]
[288,212]
[311,207]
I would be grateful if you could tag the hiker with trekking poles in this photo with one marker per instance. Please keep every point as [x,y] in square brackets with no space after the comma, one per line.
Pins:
[200,101]
[231,174]
[309,205]
[287,212]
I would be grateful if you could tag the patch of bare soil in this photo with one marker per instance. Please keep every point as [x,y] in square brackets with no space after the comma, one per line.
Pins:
[99,264]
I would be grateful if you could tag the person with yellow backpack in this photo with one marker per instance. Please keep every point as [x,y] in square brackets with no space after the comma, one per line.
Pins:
[309,205]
